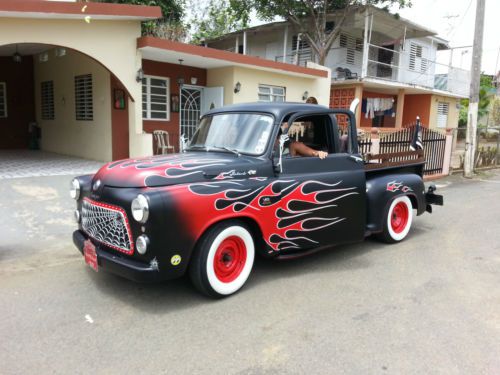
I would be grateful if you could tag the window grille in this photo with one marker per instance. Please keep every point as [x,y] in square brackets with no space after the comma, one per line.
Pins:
[84,106]
[155,98]
[442,114]
[47,100]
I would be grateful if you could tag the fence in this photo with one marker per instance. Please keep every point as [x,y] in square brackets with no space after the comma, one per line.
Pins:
[487,147]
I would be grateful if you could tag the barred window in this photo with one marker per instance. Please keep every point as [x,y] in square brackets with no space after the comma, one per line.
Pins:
[269,93]
[442,114]
[302,44]
[84,107]
[47,100]
[155,94]
[3,100]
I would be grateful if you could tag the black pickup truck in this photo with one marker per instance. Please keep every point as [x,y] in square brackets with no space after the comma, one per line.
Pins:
[236,190]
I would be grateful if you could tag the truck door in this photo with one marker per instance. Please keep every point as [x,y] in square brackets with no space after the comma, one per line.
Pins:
[322,200]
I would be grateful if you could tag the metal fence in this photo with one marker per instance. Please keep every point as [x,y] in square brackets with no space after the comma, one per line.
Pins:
[434,143]
[487,147]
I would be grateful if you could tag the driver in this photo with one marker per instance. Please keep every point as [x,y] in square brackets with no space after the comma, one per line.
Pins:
[298,148]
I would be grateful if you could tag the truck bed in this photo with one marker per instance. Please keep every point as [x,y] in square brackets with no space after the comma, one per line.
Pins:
[400,162]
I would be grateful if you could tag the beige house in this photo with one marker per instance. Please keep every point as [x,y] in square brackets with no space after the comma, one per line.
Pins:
[84,75]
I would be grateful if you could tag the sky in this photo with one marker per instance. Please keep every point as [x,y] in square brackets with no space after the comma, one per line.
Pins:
[454,21]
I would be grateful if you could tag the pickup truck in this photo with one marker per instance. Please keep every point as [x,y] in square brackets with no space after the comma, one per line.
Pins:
[237,191]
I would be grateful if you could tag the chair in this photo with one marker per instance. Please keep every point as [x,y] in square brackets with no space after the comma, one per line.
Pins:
[162,141]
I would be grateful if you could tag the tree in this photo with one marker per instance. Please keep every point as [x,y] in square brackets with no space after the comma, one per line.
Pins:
[495,112]
[170,26]
[485,98]
[219,18]
[309,17]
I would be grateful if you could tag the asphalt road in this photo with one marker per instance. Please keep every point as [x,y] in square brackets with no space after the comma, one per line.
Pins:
[429,305]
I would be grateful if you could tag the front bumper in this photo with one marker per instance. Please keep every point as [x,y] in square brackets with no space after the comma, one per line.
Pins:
[120,265]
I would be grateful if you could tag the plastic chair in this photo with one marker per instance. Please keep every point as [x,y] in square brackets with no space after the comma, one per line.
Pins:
[162,140]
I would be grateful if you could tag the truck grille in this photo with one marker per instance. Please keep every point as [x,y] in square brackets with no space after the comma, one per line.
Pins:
[107,224]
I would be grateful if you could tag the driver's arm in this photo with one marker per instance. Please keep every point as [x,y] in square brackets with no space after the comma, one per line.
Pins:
[300,149]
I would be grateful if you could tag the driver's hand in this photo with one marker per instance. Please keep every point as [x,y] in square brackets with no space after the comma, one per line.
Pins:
[321,154]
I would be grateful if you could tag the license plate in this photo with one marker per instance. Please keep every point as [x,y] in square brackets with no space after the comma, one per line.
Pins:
[90,255]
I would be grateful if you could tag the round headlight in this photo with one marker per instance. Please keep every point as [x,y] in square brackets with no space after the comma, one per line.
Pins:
[140,209]
[74,190]
[141,244]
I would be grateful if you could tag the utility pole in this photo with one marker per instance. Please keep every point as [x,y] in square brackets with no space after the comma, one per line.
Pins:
[477,51]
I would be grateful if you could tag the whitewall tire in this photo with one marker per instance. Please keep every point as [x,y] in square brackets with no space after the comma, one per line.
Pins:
[398,220]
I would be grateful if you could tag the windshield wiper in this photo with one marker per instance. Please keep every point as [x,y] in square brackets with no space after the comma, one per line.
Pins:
[234,151]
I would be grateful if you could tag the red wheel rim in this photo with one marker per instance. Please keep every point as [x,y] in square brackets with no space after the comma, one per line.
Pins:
[229,259]
[399,217]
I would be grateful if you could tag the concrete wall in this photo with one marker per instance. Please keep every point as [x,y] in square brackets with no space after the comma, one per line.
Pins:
[64,134]
[112,43]
[251,78]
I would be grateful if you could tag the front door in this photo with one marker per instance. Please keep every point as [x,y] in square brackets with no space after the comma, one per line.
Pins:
[190,110]
[322,200]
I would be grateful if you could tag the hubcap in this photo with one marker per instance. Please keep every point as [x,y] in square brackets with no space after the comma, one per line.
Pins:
[399,217]
[230,259]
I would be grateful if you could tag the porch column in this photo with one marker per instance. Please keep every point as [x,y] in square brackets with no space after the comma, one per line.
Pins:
[237,45]
[285,42]
[399,109]
[244,42]
[364,67]
[358,93]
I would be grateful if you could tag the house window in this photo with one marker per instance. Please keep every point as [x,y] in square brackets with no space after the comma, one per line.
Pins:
[84,105]
[155,94]
[271,93]
[352,46]
[47,100]
[417,61]
[3,100]
[442,114]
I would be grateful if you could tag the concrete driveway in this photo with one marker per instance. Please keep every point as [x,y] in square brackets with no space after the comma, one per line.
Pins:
[429,305]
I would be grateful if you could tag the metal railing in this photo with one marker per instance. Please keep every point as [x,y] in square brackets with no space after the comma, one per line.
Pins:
[414,70]
[301,58]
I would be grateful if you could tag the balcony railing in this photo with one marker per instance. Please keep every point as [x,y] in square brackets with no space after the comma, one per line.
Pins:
[299,58]
[384,63]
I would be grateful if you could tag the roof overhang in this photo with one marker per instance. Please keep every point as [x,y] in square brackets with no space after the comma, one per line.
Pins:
[168,51]
[392,87]
[73,10]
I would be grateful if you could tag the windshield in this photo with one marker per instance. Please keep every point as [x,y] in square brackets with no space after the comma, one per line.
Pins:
[236,132]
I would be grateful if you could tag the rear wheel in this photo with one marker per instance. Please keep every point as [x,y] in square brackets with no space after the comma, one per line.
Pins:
[398,219]
[223,259]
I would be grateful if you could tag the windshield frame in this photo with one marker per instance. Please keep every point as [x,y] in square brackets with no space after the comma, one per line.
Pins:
[217,149]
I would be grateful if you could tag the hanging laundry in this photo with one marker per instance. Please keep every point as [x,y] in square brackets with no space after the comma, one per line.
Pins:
[378,105]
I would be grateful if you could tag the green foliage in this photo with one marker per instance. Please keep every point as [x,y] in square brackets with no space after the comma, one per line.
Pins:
[309,17]
[170,26]
[218,18]
[485,98]
[495,112]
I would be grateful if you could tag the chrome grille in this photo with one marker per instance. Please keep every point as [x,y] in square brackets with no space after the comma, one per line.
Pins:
[107,224]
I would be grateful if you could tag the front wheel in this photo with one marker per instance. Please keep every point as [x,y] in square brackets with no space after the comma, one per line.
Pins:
[398,220]
[223,259]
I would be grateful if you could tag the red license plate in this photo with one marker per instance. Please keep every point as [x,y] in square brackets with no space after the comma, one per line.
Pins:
[90,255]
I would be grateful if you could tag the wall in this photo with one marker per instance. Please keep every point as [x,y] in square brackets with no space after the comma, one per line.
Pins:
[64,134]
[112,43]
[417,105]
[20,102]
[251,78]
[453,111]
[173,72]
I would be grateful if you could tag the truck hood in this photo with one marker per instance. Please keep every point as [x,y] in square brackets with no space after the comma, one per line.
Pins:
[189,167]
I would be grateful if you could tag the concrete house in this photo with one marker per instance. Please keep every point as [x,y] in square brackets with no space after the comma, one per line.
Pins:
[388,63]
[97,89]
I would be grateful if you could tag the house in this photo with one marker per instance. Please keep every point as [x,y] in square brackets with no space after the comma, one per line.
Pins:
[388,63]
[97,89]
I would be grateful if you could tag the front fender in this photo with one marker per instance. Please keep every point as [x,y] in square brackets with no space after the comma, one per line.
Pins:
[381,190]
